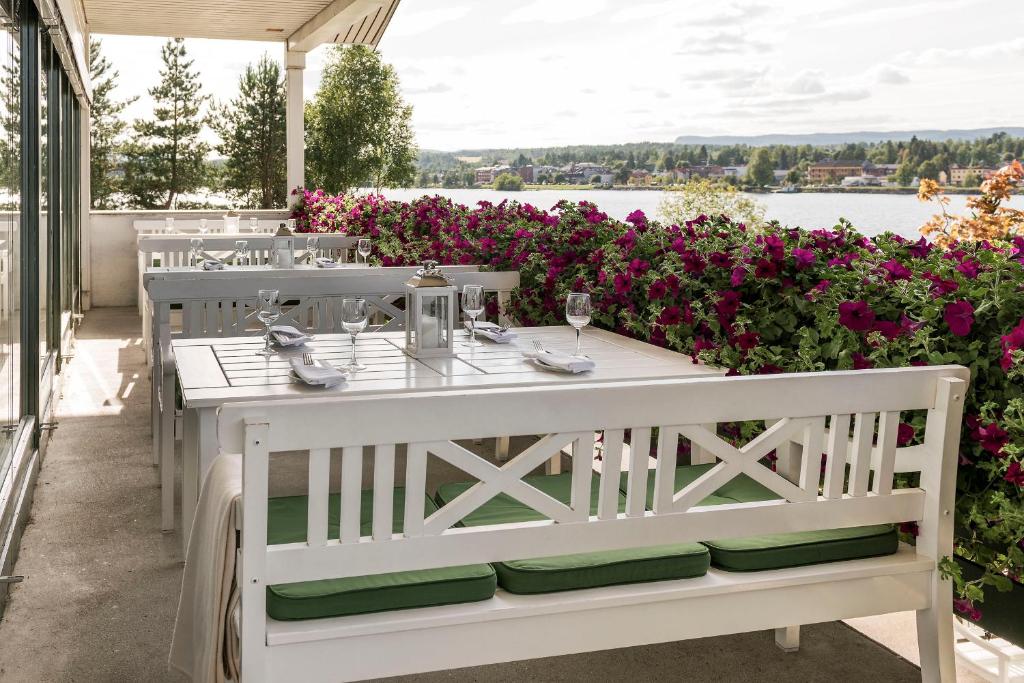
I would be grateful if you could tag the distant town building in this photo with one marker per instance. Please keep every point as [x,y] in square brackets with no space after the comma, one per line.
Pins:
[485,175]
[734,171]
[958,174]
[707,171]
[779,175]
[880,170]
[640,177]
[861,181]
[526,173]
[833,170]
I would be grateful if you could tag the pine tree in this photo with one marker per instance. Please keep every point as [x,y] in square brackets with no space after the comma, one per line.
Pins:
[358,129]
[252,132]
[10,122]
[106,128]
[166,157]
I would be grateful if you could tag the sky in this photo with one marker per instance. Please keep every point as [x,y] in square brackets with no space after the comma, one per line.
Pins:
[525,73]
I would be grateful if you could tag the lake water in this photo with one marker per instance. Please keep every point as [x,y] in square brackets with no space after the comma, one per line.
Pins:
[870,213]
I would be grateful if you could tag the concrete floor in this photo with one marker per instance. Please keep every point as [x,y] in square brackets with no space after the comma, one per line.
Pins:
[102,582]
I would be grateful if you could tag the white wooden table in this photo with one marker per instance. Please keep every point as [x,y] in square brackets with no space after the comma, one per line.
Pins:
[213,372]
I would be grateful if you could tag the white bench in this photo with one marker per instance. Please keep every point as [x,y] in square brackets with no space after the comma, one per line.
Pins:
[174,251]
[153,226]
[223,304]
[509,627]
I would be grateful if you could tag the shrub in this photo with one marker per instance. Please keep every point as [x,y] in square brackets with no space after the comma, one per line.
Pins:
[508,182]
[774,300]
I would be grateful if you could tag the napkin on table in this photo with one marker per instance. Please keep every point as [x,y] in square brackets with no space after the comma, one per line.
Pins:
[318,374]
[286,335]
[323,262]
[212,264]
[562,361]
[492,332]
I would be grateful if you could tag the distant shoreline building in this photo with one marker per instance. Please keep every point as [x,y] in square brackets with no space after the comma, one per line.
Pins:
[833,170]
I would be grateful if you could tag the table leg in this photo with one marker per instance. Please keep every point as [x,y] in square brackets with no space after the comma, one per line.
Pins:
[501,448]
[166,483]
[198,440]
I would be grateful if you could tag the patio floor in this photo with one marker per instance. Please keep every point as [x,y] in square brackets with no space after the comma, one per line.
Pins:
[101,581]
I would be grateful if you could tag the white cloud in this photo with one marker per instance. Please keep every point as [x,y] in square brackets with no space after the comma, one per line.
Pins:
[807,83]
[890,75]
[557,12]
[415,23]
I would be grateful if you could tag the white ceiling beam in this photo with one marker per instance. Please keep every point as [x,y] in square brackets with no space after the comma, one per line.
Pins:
[332,21]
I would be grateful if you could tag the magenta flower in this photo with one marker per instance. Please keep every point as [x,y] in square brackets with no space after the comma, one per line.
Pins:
[657,290]
[765,269]
[856,316]
[728,303]
[969,268]
[747,340]
[671,315]
[1015,474]
[738,274]
[895,271]
[904,434]
[966,607]
[959,316]
[804,258]
[1010,343]
[720,259]
[992,437]
[861,362]
[622,283]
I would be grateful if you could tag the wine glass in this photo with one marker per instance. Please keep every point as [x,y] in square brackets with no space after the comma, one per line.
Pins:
[312,247]
[577,314]
[353,319]
[203,226]
[254,224]
[364,249]
[169,224]
[269,310]
[473,305]
[291,225]
[195,246]
[242,252]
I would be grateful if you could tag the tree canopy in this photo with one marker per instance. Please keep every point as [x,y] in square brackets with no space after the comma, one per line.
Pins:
[358,128]
[252,132]
[106,129]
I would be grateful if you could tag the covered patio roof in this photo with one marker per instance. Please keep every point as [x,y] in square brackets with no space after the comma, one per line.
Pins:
[302,24]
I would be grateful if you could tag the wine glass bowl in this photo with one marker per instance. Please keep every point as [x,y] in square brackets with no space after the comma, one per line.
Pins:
[241,252]
[254,225]
[364,248]
[169,224]
[268,310]
[313,247]
[577,313]
[203,226]
[195,247]
[354,320]
[473,306]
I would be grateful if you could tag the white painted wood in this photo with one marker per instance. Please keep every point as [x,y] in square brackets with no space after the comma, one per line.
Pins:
[812,448]
[835,464]
[788,638]
[582,476]
[319,490]
[935,528]
[255,473]
[665,471]
[608,494]
[295,68]
[883,456]
[351,493]
[383,491]
[716,603]
[415,489]
[860,461]
[636,485]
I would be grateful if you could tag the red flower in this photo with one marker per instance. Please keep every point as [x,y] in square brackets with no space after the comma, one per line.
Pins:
[670,316]
[765,269]
[895,271]
[747,340]
[904,434]
[967,608]
[738,273]
[861,362]
[959,316]
[1010,343]
[804,258]
[657,290]
[622,282]
[968,268]
[720,259]
[1015,474]
[991,436]
[728,303]
[856,316]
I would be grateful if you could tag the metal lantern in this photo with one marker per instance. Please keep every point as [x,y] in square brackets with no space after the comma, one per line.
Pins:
[283,248]
[430,305]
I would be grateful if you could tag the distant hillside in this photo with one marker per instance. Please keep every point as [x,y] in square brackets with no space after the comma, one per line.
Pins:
[843,138]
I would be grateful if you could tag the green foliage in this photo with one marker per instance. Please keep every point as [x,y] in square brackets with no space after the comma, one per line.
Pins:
[760,170]
[10,122]
[106,129]
[703,196]
[166,157]
[508,182]
[358,129]
[971,179]
[252,132]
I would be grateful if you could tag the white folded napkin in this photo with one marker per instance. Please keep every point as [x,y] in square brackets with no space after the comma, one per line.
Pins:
[326,263]
[286,335]
[492,331]
[560,360]
[212,264]
[319,374]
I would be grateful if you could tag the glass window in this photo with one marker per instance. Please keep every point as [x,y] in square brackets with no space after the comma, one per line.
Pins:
[45,140]
[10,226]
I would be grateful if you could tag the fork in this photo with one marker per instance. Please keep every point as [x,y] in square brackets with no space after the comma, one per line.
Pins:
[307,359]
[537,346]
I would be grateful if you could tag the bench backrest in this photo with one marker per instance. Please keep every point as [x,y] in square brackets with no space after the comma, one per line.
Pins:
[173,250]
[223,303]
[150,226]
[801,405]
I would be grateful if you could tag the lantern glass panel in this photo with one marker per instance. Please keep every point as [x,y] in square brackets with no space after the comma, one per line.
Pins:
[434,326]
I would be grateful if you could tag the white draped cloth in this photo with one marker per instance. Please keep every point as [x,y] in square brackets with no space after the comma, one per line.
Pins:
[205,641]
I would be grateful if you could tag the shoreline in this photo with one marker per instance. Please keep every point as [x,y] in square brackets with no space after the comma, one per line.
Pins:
[670,188]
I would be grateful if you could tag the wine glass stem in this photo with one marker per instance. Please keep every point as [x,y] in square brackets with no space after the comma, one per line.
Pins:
[472,329]
[577,341]
[266,346]
[352,362]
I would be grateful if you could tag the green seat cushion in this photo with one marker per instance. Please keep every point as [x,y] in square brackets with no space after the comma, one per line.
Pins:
[777,551]
[583,570]
[286,523]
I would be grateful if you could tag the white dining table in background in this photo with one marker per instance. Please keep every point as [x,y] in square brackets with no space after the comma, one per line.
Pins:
[215,371]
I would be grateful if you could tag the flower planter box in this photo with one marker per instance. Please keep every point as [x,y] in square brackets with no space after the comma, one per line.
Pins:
[1000,612]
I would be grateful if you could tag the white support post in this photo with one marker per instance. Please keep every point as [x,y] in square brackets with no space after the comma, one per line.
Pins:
[788,638]
[295,66]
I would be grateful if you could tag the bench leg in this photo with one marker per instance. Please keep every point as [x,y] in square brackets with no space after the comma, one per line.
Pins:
[935,643]
[501,448]
[166,453]
[788,638]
